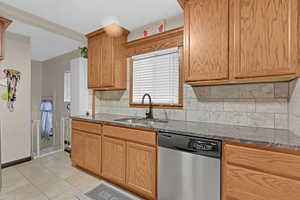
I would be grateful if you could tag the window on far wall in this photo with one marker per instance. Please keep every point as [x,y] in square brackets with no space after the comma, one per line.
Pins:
[67,87]
[157,73]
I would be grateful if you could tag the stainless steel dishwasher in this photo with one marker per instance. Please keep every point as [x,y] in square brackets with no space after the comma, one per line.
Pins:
[189,168]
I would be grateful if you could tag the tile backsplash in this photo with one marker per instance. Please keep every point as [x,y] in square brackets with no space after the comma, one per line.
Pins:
[255,105]
[294,106]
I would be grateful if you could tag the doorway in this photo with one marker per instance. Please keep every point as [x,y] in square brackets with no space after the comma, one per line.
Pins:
[49,142]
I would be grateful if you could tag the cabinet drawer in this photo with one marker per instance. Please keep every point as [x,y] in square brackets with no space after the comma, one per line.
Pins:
[247,184]
[140,136]
[87,126]
[264,160]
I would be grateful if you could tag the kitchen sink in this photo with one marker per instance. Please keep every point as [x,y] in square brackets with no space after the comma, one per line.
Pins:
[135,120]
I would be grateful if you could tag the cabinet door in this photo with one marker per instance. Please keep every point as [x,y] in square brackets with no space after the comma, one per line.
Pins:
[141,169]
[263,37]
[206,40]
[94,62]
[243,184]
[93,153]
[107,68]
[78,147]
[113,159]
[1,40]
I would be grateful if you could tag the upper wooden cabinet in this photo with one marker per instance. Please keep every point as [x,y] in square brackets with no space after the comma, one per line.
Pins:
[238,41]
[264,37]
[206,40]
[3,25]
[107,60]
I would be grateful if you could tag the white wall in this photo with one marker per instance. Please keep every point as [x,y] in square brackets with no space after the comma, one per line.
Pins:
[16,126]
[53,84]
[36,89]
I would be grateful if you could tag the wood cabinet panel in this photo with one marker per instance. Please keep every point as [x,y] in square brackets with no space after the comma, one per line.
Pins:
[264,160]
[1,40]
[94,62]
[87,126]
[252,172]
[206,40]
[107,72]
[160,41]
[4,23]
[92,158]
[141,136]
[78,145]
[141,169]
[113,159]
[263,37]
[262,185]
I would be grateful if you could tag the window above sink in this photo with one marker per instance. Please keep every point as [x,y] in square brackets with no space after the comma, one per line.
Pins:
[159,74]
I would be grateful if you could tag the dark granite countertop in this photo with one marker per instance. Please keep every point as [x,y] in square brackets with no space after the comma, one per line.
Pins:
[262,136]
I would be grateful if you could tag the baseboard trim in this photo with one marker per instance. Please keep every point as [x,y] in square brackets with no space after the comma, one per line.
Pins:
[15,162]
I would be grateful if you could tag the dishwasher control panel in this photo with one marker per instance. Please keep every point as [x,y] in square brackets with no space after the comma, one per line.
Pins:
[195,145]
[203,146]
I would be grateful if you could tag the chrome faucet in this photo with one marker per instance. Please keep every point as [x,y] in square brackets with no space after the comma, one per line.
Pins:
[149,114]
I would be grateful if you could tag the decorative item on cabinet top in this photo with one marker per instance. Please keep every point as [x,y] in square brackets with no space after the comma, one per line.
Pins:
[83,52]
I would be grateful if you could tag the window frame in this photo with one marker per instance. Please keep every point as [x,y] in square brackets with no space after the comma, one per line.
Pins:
[160,106]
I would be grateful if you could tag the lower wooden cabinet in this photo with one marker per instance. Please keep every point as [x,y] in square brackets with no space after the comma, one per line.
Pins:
[86,151]
[77,147]
[92,159]
[113,162]
[141,168]
[251,172]
[124,156]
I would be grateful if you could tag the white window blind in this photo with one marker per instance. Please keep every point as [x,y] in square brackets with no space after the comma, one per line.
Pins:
[156,73]
[67,87]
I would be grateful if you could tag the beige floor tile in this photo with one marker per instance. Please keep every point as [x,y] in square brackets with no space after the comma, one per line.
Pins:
[32,163]
[50,177]
[64,157]
[67,196]
[63,171]
[26,192]
[56,188]
[12,179]
[83,181]
[38,175]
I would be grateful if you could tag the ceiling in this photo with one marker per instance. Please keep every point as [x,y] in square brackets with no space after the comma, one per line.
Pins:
[44,44]
[85,17]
